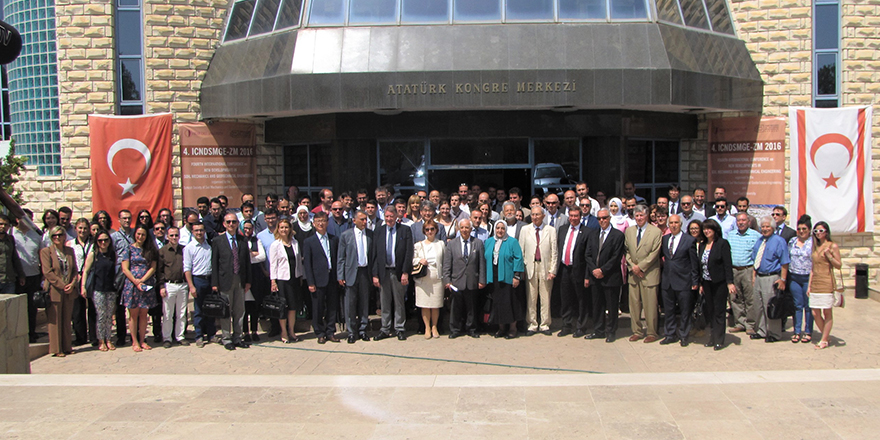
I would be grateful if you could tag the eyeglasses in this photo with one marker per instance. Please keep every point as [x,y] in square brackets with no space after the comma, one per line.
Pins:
[143,216]
[603,217]
[430,229]
[552,203]
[720,206]
[103,240]
[159,228]
[819,231]
[231,222]
[58,235]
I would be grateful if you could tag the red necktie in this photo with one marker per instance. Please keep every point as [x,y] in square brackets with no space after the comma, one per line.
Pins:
[538,247]
[571,233]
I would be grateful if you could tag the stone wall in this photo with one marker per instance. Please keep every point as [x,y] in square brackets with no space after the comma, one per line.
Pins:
[14,355]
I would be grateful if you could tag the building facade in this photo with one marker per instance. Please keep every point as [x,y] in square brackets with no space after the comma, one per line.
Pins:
[357,93]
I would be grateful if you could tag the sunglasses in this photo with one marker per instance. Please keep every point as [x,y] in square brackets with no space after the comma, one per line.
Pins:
[819,231]
[430,229]
[231,222]
[776,214]
[58,235]
[159,228]
[103,240]
[603,217]
[173,235]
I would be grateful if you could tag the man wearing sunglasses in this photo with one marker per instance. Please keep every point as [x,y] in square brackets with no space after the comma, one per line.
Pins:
[231,277]
[688,214]
[782,230]
[727,222]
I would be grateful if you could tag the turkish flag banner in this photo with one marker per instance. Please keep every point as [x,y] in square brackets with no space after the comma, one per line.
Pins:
[131,162]
[831,166]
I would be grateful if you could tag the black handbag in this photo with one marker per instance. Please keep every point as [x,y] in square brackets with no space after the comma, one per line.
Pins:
[274,306]
[420,271]
[776,306]
[700,313]
[41,299]
[215,306]
[90,282]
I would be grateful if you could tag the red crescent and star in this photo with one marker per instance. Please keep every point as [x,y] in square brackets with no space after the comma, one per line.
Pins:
[831,138]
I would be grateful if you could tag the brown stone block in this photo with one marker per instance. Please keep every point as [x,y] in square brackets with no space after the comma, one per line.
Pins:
[189,96]
[156,42]
[162,52]
[160,9]
[177,63]
[178,42]
[207,33]
[178,106]
[101,54]
[164,31]
[185,32]
[805,100]
[163,74]
[805,56]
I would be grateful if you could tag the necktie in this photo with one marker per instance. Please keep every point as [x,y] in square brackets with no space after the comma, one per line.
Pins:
[639,237]
[466,254]
[601,240]
[362,249]
[671,244]
[571,234]
[760,255]
[389,248]
[779,231]
[326,245]
[236,265]
[538,245]
[552,220]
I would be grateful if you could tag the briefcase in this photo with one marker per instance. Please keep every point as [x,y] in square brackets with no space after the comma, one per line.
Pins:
[215,306]
[274,306]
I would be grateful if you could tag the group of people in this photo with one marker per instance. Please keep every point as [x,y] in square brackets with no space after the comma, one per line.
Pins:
[491,261]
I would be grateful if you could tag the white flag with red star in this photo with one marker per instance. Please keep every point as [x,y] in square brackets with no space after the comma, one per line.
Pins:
[831,167]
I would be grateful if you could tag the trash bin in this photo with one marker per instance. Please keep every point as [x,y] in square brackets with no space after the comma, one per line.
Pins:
[861,280]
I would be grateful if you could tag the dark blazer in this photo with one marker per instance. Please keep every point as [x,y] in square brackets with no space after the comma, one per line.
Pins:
[221,262]
[464,274]
[590,221]
[403,251]
[608,260]
[681,270]
[578,264]
[52,272]
[720,266]
[787,233]
[317,272]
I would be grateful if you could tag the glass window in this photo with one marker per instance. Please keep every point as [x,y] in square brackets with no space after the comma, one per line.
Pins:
[290,14]
[402,163]
[240,20]
[827,28]
[628,9]
[582,9]
[264,17]
[128,40]
[325,12]
[826,74]
[131,110]
[135,3]
[479,151]
[720,16]
[652,166]
[667,10]
[477,10]
[130,79]
[373,11]
[529,10]
[694,13]
[425,11]
[308,166]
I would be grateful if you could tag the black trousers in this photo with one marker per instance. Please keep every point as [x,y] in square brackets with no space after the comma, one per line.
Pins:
[716,309]
[31,285]
[685,301]
[463,313]
[251,317]
[575,300]
[121,323]
[156,317]
[325,302]
[84,320]
[606,303]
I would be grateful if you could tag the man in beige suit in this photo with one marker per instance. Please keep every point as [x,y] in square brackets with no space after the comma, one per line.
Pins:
[541,260]
[643,261]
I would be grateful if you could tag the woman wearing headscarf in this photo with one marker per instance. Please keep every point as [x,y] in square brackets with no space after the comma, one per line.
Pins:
[302,227]
[618,214]
[504,270]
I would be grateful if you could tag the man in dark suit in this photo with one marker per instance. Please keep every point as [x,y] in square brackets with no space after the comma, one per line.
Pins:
[231,277]
[587,219]
[604,252]
[572,242]
[681,276]
[782,230]
[393,248]
[464,272]
[319,264]
[354,261]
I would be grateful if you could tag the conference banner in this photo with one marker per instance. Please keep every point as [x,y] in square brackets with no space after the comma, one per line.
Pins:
[747,158]
[131,162]
[216,159]
[831,166]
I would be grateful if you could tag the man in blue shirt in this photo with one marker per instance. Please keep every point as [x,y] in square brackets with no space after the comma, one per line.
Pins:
[771,269]
[742,243]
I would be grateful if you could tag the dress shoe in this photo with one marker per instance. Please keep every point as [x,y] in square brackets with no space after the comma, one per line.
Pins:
[736,329]
[255,338]
[667,341]
[455,335]
[546,332]
[365,338]
[635,338]
[708,344]
[578,334]
[564,332]
[684,342]
[594,336]
[402,336]
[352,339]
[322,340]
[651,339]
[333,338]
[243,345]
[381,336]
[183,342]
[771,338]
[230,346]
[79,342]
[500,334]
[157,339]
[474,335]
[718,347]
[530,333]
[609,339]
[95,343]
[166,344]
[246,337]
[755,336]
[510,336]
[200,343]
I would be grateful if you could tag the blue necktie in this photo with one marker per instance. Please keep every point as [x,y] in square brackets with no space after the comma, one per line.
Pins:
[389,248]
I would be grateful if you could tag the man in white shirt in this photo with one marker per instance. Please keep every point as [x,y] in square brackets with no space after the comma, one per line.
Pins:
[699,200]
[583,190]
[727,221]
[197,271]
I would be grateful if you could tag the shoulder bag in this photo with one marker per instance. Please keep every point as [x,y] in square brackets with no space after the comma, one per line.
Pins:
[419,269]
[215,306]
[776,305]
[274,306]
[838,288]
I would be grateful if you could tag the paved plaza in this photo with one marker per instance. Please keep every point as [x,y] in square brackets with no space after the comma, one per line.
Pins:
[535,387]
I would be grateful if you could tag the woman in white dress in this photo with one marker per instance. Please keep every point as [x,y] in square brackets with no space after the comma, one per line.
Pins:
[429,289]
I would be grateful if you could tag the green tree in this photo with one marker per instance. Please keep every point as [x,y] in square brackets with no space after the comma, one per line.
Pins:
[11,167]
